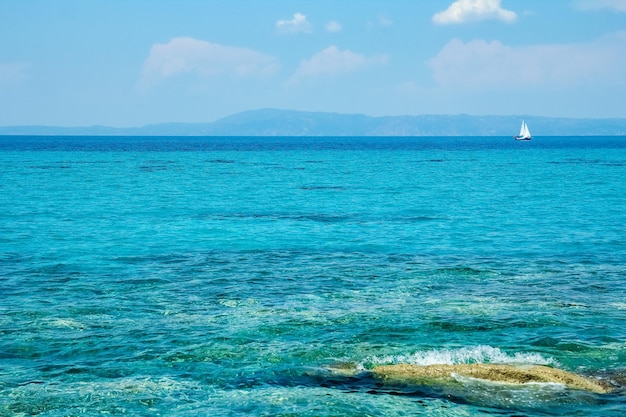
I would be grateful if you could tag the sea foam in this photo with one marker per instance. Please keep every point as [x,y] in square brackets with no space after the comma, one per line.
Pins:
[471,354]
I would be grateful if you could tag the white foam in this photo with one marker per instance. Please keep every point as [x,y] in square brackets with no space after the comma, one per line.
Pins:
[472,354]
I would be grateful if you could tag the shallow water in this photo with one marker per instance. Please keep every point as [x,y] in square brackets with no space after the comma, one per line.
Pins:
[266,276]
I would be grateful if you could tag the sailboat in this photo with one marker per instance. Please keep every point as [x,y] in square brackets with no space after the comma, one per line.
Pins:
[524,133]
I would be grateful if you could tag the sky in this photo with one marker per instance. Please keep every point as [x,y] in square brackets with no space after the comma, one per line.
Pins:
[130,63]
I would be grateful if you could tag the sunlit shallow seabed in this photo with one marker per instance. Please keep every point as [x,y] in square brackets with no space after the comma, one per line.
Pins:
[257,276]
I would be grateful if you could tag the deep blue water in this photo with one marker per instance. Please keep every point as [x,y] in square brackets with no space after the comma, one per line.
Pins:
[182,276]
[240,143]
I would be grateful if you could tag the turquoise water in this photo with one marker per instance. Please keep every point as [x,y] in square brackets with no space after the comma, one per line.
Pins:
[266,276]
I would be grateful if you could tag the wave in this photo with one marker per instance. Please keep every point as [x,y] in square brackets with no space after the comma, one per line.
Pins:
[465,355]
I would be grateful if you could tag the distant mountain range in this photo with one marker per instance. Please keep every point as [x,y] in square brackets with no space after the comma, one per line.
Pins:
[273,122]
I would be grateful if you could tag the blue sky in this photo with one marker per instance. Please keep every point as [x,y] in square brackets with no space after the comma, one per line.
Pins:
[135,62]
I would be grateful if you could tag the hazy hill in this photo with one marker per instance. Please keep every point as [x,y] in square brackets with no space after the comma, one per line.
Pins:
[272,122]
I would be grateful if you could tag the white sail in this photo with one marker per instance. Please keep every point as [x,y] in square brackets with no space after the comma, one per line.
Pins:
[524,132]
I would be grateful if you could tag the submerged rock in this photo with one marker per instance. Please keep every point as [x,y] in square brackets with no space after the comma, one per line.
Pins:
[507,374]
[344,368]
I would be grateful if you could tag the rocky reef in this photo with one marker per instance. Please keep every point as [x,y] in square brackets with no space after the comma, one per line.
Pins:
[498,373]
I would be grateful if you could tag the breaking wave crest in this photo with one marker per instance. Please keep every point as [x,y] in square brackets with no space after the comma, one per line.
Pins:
[472,354]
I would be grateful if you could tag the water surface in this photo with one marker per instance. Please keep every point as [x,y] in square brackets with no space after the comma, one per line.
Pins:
[266,276]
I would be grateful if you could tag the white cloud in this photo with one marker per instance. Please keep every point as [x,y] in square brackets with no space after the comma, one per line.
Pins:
[333,27]
[616,5]
[193,56]
[333,61]
[295,25]
[481,64]
[462,11]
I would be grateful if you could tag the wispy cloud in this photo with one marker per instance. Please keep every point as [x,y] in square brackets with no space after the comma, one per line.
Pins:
[333,61]
[462,11]
[384,21]
[333,27]
[12,72]
[298,24]
[381,22]
[616,5]
[481,64]
[193,56]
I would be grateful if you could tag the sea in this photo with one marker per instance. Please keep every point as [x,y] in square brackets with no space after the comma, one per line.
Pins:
[268,276]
